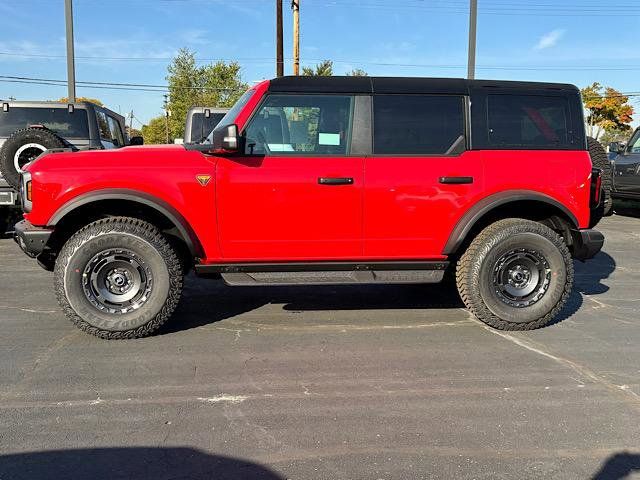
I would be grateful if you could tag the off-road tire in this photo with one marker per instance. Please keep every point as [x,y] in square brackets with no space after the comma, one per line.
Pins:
[39,136]
[600,160]
[150,246]
[476,267]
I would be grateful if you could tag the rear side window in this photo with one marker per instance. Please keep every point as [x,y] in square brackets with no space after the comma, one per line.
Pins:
[58,120]
[417,124]
[524,121]
[301,124]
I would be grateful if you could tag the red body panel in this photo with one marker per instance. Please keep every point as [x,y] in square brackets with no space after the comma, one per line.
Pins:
[273,209]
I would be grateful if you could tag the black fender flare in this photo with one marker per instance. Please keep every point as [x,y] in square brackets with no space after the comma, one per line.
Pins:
[161,206]
[484,206]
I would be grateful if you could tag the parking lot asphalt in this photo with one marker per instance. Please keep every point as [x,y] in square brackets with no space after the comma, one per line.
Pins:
[375,382]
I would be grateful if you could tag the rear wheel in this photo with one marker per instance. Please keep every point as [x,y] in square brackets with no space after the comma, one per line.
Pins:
[516,275]
[118,278]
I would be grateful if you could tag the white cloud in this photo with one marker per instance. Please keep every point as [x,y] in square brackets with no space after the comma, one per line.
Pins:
[549,39]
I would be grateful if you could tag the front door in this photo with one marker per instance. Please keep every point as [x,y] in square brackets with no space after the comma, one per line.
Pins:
[296,193]
[627,167]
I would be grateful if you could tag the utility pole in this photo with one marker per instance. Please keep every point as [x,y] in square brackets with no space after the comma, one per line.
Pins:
[279,54]
[71,69]
[295,6]
[166,117]
[473,21]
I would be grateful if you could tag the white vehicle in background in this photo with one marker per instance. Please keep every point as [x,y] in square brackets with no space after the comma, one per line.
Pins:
[200,123]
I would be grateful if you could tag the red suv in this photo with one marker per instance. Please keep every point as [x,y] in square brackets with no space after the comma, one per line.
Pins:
[329,180]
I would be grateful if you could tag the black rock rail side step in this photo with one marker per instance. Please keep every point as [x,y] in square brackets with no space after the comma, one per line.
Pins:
[326,273]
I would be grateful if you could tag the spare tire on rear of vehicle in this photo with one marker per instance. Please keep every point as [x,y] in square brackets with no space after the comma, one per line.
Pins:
[21,148]
[600,160]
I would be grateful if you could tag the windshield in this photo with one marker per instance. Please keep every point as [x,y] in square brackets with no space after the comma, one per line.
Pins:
[231,115]
[58,120]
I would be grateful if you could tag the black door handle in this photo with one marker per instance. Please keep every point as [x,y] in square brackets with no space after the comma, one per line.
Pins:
[456,180]
[335,181]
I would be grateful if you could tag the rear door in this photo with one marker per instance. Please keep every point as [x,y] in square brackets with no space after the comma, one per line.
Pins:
[420,176]
[627,167]
[296,193]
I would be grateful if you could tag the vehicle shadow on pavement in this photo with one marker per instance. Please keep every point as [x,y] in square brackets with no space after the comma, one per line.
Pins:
[129,462]
[206,302]
[618,466]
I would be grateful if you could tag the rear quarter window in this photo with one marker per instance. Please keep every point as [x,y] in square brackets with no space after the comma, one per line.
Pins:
[58,120]
[528,121]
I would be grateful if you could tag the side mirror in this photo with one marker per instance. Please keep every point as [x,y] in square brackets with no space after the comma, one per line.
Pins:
[616,147]
[226,139]
[136,141]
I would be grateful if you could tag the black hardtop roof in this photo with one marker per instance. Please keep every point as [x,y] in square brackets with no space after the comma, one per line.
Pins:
[346,84]
[55,104]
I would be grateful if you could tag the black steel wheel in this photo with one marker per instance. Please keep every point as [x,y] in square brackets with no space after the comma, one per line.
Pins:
[118,278]
[517,274]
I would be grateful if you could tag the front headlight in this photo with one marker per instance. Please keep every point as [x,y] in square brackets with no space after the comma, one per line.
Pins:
[26,192]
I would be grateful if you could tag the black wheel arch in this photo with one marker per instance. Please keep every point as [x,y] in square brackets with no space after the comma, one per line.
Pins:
[505,204]
[93,205]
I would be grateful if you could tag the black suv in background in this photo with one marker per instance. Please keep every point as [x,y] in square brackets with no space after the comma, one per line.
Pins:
[625,161]
[29,128]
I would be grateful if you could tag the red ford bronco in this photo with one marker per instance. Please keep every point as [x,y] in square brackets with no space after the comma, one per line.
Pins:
[329,180]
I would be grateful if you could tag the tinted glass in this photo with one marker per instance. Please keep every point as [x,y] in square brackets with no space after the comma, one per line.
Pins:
[116,132]
[416,124]
[201,126]
[312,124]
[103,126]
[59,120]
[634,143]
[528,121]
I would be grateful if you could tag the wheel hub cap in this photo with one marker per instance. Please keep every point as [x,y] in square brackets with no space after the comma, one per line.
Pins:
[521,277]
[117,281]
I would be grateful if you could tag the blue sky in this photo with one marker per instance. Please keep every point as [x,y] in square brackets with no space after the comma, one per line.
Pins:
[575,41]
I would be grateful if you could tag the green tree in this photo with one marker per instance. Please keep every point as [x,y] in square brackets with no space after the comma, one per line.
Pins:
[357,72]
[154,132]
[216,85]
[322,69]
[606,110]
[132,132]
[82,99]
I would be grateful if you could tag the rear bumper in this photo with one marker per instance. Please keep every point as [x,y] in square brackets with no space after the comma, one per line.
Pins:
[586,243]
[31,239]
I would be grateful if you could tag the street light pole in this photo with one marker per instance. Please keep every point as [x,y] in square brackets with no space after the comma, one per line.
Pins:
[71,69]
[473,21]
[279,54]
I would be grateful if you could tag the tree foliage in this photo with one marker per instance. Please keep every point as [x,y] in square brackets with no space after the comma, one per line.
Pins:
[82,99]
[357,72]
[154,132]
[607,110]
[322,69]
[213,85]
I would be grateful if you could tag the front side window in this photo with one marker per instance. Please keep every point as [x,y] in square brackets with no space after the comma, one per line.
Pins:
[417,124]
[115,131]
[103,126]
[301,124]
[634,143]
[528,121]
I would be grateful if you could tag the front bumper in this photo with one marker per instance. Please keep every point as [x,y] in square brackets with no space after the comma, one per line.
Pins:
[32,240]
[586,243]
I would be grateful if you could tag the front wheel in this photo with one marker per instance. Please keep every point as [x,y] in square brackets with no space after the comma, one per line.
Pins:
[118,278]
[516,275]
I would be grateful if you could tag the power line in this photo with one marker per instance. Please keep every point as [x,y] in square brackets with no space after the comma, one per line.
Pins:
[161,88]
